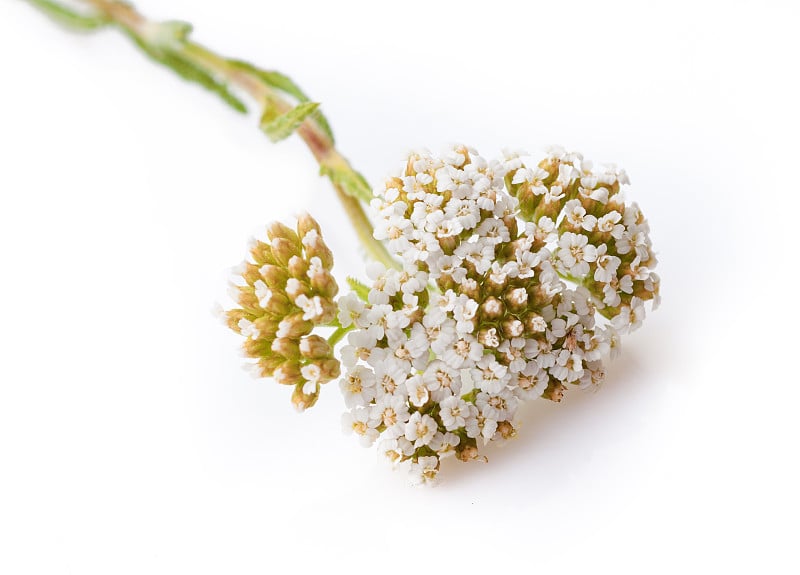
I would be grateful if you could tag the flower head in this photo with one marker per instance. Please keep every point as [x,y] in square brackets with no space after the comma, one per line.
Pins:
[516,281]
[285,290]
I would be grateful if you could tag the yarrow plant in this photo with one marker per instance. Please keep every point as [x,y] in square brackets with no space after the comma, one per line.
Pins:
[488,282]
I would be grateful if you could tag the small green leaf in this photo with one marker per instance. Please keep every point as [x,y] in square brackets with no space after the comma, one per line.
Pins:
[358,288]
[286,85]
[69,17]
[349,180]
[281,127]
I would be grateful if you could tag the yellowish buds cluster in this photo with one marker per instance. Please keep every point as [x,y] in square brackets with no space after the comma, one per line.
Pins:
[285,290]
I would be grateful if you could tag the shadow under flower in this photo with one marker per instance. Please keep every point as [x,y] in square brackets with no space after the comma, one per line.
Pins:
[551,437]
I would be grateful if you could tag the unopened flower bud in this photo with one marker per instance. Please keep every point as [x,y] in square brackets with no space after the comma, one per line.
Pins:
[492,308]
[496,283]
[468,452]
[448,244]
[298,267]
[315,347]
[261,253]
[329,369]
[232,318]
[534,323]
[266,325]
[288,348]
[296,288]
[555,391]
[318,249]
[470,288]
[278,305]
[506,430]
[516,299]
[303,398]
[288,373]
[512,327]
[294,326]
[278,230]
[511,224]
[305,224]
[283,250]
[268,365]
[250,273]
[329,311]
[246,298]
[257,348]
[274,276]
[323,282]
[446,282]
[488,337]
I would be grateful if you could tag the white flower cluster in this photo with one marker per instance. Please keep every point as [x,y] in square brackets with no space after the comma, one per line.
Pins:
[504,270]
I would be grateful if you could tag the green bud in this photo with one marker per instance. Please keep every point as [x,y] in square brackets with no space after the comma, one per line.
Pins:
[320,250]
[488,337]
[288,373]
[449,244]
[305,223]
[516,299]
[279,230]
[266,325]
[247,298]
[268,365]
[262,253]
[278,305]
[298,267]
[492,308]
[495,284]
[250,274]
[467,450]
[329,369]
[470,288]
[329,311]
[534,323]
[234,316]
[284,250]
[301,400]
[274,276]
[555,391]
[288,348]
[324,284]
[512,327]
[527,201]
[257,348]
[294,326]
[315,347]
[296,288]
[506,430]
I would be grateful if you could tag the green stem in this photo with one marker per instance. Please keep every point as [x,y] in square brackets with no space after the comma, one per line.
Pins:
[197,63]
[337,335]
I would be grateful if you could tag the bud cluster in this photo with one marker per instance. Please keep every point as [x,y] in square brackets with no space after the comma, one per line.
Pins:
[522,260]
[285,289]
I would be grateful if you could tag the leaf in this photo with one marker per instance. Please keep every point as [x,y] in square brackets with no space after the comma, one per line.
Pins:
[360,289]
[69,17]
[286,85]
[351,182]
[281,127]
[191,72]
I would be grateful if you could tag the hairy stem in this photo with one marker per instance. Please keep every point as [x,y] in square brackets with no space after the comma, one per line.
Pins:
[154,38]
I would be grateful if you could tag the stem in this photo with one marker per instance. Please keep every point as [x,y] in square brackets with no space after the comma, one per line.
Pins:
[145,33]
[337,335]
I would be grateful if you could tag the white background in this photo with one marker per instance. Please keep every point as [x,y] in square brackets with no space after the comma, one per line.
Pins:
[132,442]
